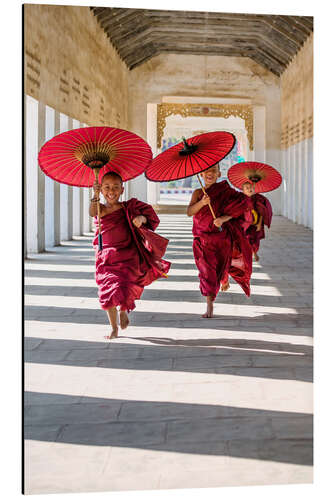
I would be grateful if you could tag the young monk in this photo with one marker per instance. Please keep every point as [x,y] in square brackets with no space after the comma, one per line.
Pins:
[220,247]
[131,255]
[262,215]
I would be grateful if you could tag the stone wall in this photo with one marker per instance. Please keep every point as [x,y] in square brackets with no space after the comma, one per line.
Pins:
[297,136]
[297,97]
[195,75]
[207,76]
[71,66]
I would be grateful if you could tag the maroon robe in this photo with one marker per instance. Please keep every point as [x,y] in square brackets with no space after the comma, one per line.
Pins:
[131,257]
[219,254]
[263,207]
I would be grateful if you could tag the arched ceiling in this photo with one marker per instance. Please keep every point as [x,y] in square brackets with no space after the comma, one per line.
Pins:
[140,34]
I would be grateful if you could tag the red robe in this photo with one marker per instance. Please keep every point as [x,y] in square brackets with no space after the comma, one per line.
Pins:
[263,208]
[131,257]
[219,254]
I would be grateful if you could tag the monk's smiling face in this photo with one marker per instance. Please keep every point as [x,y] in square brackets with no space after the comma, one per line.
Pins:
[248,188]
[211,175]
[112,188]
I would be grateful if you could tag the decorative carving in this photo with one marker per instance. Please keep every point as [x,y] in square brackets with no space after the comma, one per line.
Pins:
[298,132]
[244,111]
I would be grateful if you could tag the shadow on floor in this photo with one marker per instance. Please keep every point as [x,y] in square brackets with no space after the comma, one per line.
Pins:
[248,358]
[160,294]
[272,321]
[176,427]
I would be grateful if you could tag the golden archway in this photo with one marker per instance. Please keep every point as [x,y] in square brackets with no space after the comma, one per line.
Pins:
[166,109]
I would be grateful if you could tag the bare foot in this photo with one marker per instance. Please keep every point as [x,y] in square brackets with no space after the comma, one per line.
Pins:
[114,334]
[225,286]
[209,312]
[124,321]
[256,256]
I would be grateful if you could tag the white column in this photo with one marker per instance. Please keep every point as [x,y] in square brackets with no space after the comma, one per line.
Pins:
[25,245]
[290,185]
[63,190]
[289,193]
[76,215]
[283,185]
[259,133]
[49,183]
[86,204]
[138,188]
[300,181]
[41,182]
[310,183]
[91,219]
[56,186]
[297,183]
[81,225]
[70,198]
[285,182]
[273,157]
[292,181]
[153,188]
[87,195]
[305,183]
[31,154]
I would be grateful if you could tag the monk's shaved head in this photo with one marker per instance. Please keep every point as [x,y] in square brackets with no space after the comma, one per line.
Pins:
[112,175]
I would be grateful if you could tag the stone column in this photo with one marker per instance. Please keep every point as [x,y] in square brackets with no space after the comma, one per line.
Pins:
[25,245]
[56,187]
[91,219]
[259,133]
[81,224]
[40,182]
[288,190]
[31,153]
[49,183]
[294,181]
[84,210]
[86,204]
[76,212]
[153,188]
[63,190]
[310,183]
[70,199]
[300,181]
[284,173]
[305,194]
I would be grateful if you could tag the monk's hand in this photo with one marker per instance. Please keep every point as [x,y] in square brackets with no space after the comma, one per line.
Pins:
[97,189]
[258,227]
[139,220]
[205,200]
[220,220]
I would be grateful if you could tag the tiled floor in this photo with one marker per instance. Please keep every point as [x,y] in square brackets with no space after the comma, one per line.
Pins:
[177,401]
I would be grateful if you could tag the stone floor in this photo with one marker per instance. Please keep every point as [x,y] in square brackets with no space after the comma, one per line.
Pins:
[177,401]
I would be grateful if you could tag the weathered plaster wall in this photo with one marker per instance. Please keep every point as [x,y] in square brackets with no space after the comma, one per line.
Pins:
[208,76]
[297,97]
[71,66]
[297,137]
[195,75]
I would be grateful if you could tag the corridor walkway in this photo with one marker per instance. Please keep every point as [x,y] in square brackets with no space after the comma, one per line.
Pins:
[177,401]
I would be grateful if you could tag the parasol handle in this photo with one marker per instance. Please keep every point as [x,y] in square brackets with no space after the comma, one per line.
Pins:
[210,206]
[100,242]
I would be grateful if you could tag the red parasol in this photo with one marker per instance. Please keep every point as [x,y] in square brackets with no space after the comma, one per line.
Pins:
[70,157]
[80,156]
[191,157]
[264,177]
